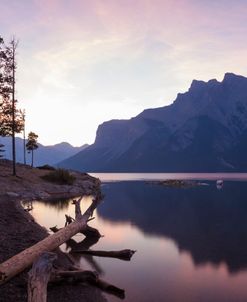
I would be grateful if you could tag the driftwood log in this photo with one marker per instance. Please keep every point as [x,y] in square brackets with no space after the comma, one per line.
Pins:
[43,272]
[39,277]
[24,259]
[89,277]
[123,254]
[85,244]
[87,231]
[40,255]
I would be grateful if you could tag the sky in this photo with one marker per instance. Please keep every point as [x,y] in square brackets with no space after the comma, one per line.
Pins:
[83,62]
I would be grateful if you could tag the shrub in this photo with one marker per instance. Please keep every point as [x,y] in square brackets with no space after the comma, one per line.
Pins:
[46,167]
[60,176]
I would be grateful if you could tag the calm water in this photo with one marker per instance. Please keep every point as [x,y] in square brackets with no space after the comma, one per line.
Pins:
[191,243]
[112,177]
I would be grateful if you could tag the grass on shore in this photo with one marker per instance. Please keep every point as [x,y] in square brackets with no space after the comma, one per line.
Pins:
[59,176]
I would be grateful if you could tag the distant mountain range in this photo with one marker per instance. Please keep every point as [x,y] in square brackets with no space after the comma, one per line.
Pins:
[203,130]
[50,155]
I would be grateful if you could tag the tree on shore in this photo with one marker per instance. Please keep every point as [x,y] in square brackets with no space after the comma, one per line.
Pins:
[11,121]
[1,150]
[23,116]
[2,60]
[32,143]
[2,86]
[10,69]
[6,123]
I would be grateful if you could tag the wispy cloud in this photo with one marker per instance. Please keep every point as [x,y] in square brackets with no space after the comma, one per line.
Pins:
[117,57]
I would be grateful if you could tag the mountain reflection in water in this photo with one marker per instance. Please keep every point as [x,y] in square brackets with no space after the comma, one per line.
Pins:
[210,224]
[191,243]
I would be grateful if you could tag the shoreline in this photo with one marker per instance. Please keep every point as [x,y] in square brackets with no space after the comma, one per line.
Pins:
[29,185]
[19,230]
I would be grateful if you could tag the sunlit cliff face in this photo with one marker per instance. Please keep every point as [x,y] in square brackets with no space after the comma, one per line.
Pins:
[83,62]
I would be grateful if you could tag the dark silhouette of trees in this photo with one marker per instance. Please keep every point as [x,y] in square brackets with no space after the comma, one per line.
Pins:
[2,73]
[6,122]
[10,69]
[1,150]
[2,86]
[23,116]
[11,120]
[32,143]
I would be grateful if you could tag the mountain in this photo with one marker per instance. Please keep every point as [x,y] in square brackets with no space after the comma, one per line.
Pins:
[43,155]
[203,130]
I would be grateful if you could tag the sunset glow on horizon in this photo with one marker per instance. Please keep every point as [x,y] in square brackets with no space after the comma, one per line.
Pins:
[83,62]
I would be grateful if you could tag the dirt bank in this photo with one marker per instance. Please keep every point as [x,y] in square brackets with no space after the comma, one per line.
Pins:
[29,185]
[18,230]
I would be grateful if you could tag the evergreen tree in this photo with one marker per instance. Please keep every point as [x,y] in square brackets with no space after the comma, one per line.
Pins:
[11,121]
[2,69]
[1,150]
[6,123]
[10,69]
[32,143]
[2,85]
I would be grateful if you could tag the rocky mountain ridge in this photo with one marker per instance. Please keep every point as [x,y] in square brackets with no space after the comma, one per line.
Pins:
[203,130]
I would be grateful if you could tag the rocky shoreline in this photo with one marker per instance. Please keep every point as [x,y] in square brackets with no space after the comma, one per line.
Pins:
[18,230]
[29,185]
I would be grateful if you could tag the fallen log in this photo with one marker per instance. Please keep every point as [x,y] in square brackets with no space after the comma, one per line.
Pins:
[123,254]
[89,277]
[59,276]
[43,272]
[39,277]
[111,289]
[24,259]
[87,231]
[85,244]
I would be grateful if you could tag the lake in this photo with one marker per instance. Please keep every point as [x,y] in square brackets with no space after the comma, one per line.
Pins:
[191,242]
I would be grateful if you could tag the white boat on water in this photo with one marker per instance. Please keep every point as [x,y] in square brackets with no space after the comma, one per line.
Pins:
[219,183]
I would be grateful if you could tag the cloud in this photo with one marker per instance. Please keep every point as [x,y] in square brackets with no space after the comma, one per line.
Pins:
[79,57]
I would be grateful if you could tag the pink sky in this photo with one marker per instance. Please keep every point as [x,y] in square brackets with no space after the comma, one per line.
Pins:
[94,60]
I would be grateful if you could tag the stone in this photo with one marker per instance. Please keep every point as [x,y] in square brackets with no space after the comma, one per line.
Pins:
[12,194]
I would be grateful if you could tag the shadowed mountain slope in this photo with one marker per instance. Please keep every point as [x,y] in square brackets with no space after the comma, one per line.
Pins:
[203,130]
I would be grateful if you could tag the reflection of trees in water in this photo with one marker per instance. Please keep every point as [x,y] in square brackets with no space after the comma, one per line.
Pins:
[210,224]
[58,204]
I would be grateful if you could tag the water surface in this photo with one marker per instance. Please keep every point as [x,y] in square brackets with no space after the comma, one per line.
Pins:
[112,177]
[191,243]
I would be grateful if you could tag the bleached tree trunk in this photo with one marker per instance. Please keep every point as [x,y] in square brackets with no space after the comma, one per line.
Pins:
[24,259]
[39,277]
